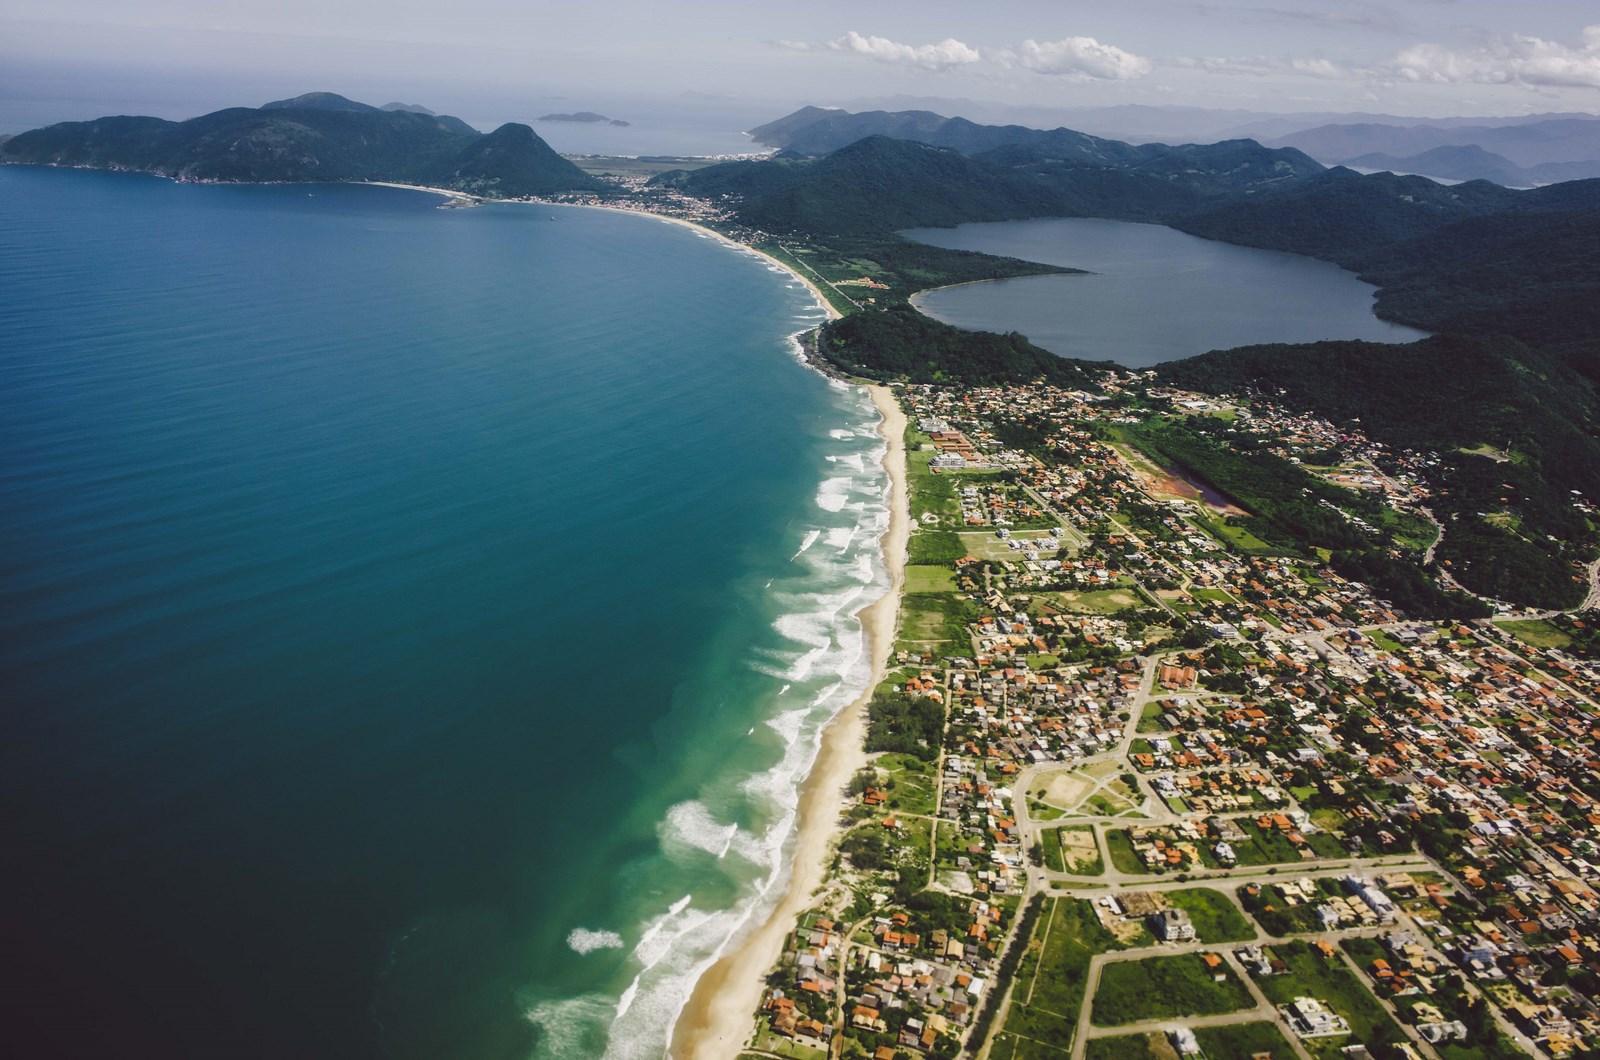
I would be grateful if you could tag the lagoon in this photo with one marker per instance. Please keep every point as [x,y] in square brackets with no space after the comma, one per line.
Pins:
[1154,294]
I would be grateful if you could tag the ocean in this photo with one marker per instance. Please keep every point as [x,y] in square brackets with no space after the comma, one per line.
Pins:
[416,622]
[1155,294]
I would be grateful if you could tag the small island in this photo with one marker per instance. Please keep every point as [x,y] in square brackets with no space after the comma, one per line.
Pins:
[586,117]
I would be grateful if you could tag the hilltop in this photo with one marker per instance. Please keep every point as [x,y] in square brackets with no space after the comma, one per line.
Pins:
[319,136]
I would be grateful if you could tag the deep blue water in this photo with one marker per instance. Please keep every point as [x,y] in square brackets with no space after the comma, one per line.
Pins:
[1155,294]
[398,605]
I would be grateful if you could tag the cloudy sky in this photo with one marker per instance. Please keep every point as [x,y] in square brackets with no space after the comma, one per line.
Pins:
[1424,57]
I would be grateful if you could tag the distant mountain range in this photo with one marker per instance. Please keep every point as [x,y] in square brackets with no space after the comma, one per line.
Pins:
[1169,123]
[584,117]
[1523,154]
[319,136]
[1513,152]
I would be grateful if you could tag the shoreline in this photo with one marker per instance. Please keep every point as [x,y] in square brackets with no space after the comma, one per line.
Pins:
[719,1016]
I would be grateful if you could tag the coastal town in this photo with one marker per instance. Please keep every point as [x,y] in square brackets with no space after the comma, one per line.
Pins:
[1145,784]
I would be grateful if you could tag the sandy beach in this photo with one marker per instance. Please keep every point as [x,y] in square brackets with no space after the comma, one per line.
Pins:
[719,1015]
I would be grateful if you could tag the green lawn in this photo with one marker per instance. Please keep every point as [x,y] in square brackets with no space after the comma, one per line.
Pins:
[1215,918]
[1165,988]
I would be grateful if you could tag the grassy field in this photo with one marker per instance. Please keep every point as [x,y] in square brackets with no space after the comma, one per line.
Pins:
[1096,601]
[1241,1041]
[927,579]
[1131,1047]
[983,544]
[1386,642]
[911,782]
[1329,981]
[1536,632]
[935,623]
[1078,855]
[1215,918]
[1165,988]
[1236,537]
[1051,980]
[1120,847]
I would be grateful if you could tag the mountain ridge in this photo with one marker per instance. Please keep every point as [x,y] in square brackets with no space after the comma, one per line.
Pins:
[318,136]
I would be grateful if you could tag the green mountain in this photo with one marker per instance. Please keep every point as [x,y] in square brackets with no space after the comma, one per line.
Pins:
[815,131]
[879,184]
[319,136]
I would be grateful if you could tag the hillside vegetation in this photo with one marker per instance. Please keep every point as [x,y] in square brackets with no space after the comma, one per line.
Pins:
[319,136]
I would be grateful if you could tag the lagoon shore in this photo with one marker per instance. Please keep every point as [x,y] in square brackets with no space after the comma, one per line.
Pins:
[719,1015]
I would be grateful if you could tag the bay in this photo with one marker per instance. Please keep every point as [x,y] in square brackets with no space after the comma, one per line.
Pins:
[407,643]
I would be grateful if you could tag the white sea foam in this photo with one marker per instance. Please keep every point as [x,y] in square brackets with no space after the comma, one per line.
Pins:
[806,542]
[819,651]
[690,825]
[585,940]
[571,1028]
[852,460]
[833,493]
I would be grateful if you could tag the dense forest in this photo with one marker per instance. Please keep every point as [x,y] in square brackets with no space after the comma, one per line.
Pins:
[900,343]
[1515,428]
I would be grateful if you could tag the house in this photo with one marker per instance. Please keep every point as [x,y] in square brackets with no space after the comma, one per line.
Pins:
[1310,1018]
[1184,1041]
[1172,925]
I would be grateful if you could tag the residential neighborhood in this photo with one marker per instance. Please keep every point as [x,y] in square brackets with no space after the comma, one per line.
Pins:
[1145,784]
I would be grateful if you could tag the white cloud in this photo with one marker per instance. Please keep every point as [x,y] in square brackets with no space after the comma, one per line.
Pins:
[1515,60]
[1325,69]
[1081,57]
[944,55]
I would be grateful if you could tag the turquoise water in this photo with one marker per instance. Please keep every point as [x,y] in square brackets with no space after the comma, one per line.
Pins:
[1156,294]
[415,620]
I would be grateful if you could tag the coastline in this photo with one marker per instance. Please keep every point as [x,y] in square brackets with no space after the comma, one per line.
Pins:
[718,1017]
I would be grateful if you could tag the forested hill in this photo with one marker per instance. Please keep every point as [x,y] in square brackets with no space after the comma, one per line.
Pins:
[880,184]
[1515,429]
[817,131]
[319,136]
[901,343]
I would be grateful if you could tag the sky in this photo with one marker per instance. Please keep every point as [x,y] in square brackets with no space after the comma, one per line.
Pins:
[494,60]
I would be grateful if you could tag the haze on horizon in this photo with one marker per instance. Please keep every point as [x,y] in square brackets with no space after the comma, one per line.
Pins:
[495,60]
